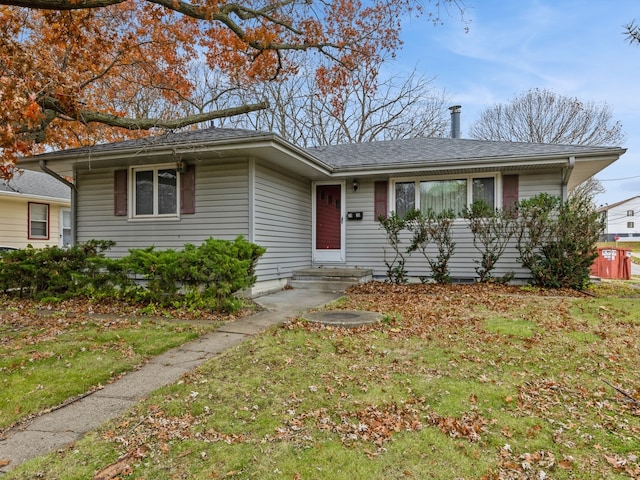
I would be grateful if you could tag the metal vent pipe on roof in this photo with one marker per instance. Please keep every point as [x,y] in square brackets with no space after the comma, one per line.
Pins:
[455,121]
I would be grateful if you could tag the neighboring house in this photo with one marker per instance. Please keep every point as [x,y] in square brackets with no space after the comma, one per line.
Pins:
[622,219]
[34,210]
[314,207]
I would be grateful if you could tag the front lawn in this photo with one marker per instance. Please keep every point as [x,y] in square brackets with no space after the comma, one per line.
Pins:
[457,382]
[633,246]
[52,353]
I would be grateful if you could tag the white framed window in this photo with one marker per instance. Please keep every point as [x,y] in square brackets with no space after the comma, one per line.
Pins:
[440,194]
[629,213]
[630,225]
[65,227]
[155,191]
[38,221]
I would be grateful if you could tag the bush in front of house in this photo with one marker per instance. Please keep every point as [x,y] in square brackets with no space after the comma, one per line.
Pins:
[557,240]
[428,230]
[55,272]
[492,230]
[206,276]
[393,225]
[434,229]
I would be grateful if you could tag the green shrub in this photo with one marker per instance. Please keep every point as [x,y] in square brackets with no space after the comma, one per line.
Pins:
[433,229]
[393,225]
[492,230]
[53,271]
[557,241]
[206,276]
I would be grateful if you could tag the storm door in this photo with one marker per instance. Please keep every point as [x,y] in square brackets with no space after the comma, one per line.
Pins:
[328,223]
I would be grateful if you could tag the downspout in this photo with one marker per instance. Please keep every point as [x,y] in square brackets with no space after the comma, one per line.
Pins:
[74,191]
[566,175]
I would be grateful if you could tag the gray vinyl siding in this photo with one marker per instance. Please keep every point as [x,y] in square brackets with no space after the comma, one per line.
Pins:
[282,222]
[366,241]
[532,184]
[222,211]
[365,238]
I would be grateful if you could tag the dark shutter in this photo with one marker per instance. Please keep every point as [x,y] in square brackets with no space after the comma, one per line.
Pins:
[510,185]
[188,190]
[120,192]
[380,202]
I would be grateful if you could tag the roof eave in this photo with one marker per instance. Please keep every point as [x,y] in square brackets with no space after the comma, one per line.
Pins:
[487,164]
[190,148]
[39,198]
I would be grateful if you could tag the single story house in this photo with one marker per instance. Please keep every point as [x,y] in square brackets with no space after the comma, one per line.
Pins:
[35,209]
[622,219]
[310,207]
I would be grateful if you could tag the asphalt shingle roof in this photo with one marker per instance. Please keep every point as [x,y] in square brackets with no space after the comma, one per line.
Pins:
[28,182]
[425,151]
[174,139]
[418,150]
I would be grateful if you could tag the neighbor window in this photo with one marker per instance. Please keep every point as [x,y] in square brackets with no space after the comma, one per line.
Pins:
[39,221]
[630,225]
[441,195]
[629,213]
[155,192]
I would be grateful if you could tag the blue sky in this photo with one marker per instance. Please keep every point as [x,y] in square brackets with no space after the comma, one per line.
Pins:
[575,48]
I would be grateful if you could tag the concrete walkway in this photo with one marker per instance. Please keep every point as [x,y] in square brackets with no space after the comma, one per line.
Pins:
[54,430]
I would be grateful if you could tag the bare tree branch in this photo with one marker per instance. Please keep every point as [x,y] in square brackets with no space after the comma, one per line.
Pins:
[633,32]
[148,123]
[542,116]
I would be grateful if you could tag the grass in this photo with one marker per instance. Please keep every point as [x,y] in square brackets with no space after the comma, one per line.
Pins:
[633,246]
[466,382]
[49,355]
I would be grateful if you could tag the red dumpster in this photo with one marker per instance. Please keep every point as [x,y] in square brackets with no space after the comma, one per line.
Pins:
[612,263]
[625,264]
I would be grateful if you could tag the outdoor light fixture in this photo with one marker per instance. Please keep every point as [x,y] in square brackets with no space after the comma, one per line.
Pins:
[355,185]
[181,166]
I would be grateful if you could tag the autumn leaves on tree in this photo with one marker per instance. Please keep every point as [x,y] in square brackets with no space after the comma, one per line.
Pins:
[80,72]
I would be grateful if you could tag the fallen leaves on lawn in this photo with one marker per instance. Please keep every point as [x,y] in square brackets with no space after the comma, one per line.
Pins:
[452,319]
[158,430]
[469,426]
[374,424]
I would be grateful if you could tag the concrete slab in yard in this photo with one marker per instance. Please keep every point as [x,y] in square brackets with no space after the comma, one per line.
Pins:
[343,318]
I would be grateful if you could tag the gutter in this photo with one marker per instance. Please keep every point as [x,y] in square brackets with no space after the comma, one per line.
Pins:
[74,193]
[566,175]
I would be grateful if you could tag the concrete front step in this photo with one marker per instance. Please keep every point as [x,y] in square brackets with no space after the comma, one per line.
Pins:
[329,279]
[321,285]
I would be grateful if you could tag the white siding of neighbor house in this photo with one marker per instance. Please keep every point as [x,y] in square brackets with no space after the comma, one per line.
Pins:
[14,222]
[366,241]
[619,216]
[281,222]
[222,211]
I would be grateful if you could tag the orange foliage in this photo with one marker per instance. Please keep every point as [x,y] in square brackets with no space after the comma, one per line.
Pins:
[60,67]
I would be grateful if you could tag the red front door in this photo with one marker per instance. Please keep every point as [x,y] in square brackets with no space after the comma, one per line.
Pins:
[328,217]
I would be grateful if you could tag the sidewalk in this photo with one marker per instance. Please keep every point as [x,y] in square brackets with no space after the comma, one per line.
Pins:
[68,424]
[635,268]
